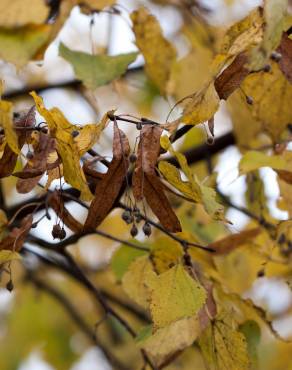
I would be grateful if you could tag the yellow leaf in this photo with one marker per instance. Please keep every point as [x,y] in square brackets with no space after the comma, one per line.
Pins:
[246,128]
[190,73]
[193,188]
[3,218]
[165,342]
[7,255]
[254,160]
[67,148]
[274,15]
[159,53]
[173,176]
[134,280]
[165,253]
[94,4]
[6,122]
[202,106]
[18,13]
[89,135]
[272,95]
[244,34]
[174,295]
[20,45]
[223,346]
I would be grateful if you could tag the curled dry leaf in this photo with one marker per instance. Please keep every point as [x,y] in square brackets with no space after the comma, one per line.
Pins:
[147,184]
[9,156]
[231,242]
[285,50]
[15,239]
[231,78]
[108,188]
[7,161]
[56,202]
[35,168]
[69,148]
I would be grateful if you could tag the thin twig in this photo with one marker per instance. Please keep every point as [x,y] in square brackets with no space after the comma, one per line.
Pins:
[76,317]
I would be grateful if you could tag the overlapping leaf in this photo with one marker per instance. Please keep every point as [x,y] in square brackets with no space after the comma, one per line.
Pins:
[223,346]
[67,145]
[174,295]
[15,239]
[37,165]
[108,188]
[192,188]
[147,184]
[135,280]
[271,94]
[274,13]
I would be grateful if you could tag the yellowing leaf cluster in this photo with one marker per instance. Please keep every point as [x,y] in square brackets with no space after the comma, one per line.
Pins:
[69,147]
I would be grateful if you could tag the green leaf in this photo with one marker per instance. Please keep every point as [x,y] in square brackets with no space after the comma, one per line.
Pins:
[122,258]
[96,70]
[252,332]
[174,295]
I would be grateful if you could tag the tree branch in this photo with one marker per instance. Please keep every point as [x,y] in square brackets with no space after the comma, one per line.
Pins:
[73,270]
[75,84]
[75,316]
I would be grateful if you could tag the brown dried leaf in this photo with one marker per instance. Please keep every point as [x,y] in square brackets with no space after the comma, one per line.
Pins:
[148,152]
[15,239]
[209,310]
[7,161]
[9,157]
[56,202]
[230,79]
[35,168]
[285,63]
[25,118]
[147,184]
[231,242]
[285,176]
[108,188]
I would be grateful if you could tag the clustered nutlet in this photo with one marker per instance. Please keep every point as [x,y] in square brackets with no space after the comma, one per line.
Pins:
[58,232]
[134,218]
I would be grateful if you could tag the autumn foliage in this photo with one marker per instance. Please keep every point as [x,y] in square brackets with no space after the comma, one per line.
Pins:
[173,290]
